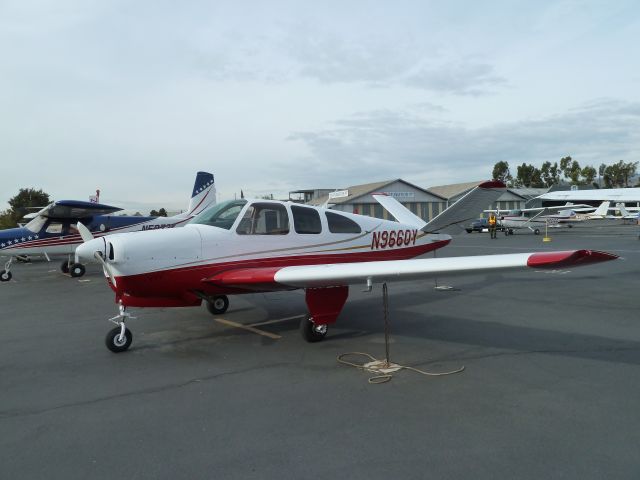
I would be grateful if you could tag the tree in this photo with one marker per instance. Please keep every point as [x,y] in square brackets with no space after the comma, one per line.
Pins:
[20,203]
[601,170]
[158,213]
[550,174]
[528,176]
[501,172]
[565,165]
[588,174]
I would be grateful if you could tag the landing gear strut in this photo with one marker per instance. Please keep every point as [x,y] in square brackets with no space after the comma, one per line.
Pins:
[311,331]
[119,339]
[5,275]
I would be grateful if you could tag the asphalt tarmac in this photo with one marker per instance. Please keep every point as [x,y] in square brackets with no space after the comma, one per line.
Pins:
[551,385]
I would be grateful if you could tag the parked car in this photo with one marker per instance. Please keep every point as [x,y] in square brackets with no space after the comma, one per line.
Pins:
[481,224]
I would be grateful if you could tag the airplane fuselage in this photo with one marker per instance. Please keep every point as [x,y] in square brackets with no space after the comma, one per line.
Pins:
[181,267]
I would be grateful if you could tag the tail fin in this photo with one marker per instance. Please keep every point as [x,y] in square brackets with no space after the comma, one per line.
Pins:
[602,210]
[623,211]
[466,209]
[399,211]
[204,193]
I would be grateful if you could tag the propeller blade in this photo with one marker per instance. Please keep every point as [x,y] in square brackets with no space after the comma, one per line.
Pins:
[98,256]
[84,232]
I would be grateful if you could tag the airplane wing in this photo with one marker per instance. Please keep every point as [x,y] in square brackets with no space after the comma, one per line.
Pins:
[75,209]
[339,274]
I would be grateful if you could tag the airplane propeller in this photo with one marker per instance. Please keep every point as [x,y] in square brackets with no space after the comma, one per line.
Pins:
[87,237]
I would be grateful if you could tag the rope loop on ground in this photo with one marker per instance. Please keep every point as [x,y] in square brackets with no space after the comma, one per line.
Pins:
[384,370]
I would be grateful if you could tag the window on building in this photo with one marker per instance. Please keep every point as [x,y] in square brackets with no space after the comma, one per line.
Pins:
[264,219]
[377,211]
[341,224]
[306,220]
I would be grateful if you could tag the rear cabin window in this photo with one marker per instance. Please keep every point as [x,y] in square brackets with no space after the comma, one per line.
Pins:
[341,224]
[306,220]
[264,219]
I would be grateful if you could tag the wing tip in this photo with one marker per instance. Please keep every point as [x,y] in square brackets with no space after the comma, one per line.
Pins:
[568,258]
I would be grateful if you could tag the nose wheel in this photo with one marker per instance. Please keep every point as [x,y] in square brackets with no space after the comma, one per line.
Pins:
[119,339]
[311,331]
[5,275]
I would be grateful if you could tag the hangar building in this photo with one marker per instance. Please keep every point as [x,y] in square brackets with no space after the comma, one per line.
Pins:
[358,199]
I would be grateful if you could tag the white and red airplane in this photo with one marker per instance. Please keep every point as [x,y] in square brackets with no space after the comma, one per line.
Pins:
[247,246]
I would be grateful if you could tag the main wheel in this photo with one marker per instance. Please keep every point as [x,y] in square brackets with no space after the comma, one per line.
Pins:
[5,276]
[536,232]
[511,231]
[218,305]
[310,331]
[64,266]
[114,343]
[76,270]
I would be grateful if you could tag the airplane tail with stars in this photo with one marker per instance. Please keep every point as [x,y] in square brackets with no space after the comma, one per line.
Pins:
[203,195]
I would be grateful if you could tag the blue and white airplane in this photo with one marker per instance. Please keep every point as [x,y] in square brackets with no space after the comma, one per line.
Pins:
[53,229]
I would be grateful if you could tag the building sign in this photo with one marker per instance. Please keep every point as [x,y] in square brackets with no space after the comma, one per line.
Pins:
[338,194]
[400,194]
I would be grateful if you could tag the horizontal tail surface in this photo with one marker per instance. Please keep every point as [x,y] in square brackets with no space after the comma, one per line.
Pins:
[469,207]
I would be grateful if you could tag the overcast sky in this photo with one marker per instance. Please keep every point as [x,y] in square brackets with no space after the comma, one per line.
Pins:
[133,97]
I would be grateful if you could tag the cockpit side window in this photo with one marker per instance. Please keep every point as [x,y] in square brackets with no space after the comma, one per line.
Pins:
[341,224]
[306,220]
[221,215]
[264,219]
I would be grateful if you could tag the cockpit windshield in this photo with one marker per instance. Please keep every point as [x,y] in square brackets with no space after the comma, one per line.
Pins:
[36,224]
[221,215]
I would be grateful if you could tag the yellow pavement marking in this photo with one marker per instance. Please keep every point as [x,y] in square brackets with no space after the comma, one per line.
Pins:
[270,322]
[248,328]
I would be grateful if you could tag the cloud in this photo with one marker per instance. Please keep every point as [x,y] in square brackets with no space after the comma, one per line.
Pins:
[306,51]
[388,144]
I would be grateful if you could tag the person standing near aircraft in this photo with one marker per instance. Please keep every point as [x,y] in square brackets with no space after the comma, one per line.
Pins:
[493,225]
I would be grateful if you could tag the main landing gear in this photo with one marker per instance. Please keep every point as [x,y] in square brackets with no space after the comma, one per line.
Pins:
[119,339]
[218,305]
[311,331]
[71,268]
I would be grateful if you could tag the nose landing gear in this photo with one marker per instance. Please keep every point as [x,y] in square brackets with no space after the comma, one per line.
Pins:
[119,339]
[5,275]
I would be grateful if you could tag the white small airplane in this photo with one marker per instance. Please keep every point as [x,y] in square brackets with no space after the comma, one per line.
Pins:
[52,230]
[534,220]
[245,246]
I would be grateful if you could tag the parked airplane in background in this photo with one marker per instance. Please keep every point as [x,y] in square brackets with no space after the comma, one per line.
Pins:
[53,230]
[534,220]
[246,246]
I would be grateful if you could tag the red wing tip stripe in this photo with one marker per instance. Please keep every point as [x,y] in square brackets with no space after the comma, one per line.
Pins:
[492,184]
[568,258]
[245,276]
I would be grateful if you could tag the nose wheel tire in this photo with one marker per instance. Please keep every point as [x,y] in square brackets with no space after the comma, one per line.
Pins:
[5,276]
[115,344]
[76,270]
[536,232]
[312,332]
[218,305]
[64,267]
